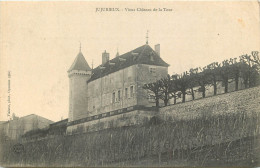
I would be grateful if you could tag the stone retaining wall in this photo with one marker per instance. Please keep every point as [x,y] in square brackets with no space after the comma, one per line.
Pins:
[135,117]
[247,100]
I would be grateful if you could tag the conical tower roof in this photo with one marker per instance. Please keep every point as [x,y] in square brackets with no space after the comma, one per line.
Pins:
[80,63]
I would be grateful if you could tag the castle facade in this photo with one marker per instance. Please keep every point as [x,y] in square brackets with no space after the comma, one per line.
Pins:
[115,85]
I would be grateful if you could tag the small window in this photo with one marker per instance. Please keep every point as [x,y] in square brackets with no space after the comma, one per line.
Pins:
[152,70]
[114,97]
[131,91]
[119,95]
[150,98]
[126,92]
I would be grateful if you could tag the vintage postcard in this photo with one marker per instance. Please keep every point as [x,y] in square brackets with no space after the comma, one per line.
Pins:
[134,83]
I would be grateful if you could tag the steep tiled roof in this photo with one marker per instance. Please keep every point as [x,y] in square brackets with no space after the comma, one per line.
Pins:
[141,55]
[80,63]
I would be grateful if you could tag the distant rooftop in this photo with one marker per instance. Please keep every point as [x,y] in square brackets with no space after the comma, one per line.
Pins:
[25,117]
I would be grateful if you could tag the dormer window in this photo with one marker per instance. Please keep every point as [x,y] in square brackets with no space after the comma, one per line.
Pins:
[122,59]
[101,67]
[151,58]
[133,53]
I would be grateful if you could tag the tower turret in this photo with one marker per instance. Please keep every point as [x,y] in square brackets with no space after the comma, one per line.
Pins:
[78,73]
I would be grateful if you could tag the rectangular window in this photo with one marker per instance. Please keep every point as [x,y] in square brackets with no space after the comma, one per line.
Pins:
[119,95]
[151,98]
[152,70]
[131,91]
[126,92]
[114,97]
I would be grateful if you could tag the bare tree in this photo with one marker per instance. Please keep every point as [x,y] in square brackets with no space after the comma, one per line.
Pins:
[235,71]
[255,57]
[212,72]
[225,74]
[174,89]
[155,88]
[182,84]
[168,89]
[203,80]
[193,81]
[250,69]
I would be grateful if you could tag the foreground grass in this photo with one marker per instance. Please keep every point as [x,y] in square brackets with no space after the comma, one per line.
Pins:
[217,140]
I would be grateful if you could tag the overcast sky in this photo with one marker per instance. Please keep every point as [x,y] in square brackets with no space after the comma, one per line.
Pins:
[39,41]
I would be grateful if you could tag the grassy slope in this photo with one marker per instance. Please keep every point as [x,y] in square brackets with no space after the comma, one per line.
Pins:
[149,144]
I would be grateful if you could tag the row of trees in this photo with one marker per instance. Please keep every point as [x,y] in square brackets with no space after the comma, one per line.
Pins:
[179,85]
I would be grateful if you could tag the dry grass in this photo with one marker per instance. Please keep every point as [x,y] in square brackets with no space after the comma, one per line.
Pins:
[222,138]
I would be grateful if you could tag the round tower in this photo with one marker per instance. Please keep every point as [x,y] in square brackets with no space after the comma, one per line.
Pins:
[78,73]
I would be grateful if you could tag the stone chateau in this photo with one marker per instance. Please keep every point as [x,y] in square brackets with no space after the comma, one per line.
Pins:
[112,88]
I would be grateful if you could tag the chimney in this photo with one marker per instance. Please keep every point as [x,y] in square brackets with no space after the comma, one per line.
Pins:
[105,57]
[157,49]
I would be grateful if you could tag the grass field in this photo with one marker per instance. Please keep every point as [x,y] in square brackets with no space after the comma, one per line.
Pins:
[231,140]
